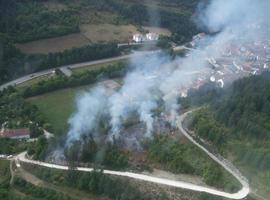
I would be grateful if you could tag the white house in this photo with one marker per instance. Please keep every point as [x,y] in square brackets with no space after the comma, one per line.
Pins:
[138,38]
[152,36]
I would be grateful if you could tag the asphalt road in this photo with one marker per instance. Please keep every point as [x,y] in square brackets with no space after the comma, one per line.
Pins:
[68,68]
[179,184]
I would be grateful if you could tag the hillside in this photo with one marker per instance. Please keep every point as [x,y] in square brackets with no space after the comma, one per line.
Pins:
[237,124]
[53,25]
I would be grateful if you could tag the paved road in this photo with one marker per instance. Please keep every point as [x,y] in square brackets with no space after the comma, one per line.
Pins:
[179,184]
[67,68]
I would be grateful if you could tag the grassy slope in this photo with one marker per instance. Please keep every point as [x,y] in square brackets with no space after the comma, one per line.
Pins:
[57,106]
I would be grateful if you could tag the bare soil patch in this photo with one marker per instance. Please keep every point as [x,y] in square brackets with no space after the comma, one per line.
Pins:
[54,44]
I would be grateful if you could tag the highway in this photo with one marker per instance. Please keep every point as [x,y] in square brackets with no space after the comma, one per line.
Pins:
[241,194]
[67,68]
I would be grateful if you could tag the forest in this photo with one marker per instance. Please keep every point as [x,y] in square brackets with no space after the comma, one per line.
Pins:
[25,21]
[240,114]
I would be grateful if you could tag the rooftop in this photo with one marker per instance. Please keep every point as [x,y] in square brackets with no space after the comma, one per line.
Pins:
[11,133]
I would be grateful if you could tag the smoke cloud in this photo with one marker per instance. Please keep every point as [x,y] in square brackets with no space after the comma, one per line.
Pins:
[156,80]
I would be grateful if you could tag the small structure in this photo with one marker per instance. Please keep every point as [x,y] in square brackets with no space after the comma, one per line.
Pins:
[152,36]
[23,133]
[138,38]
[143,38]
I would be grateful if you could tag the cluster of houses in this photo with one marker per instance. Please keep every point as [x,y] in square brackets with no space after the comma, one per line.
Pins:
[237,59]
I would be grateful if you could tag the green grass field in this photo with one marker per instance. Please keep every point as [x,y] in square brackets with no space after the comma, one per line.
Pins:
[57,106]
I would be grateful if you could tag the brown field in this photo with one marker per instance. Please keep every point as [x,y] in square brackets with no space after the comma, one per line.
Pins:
[108,32]
[54,44]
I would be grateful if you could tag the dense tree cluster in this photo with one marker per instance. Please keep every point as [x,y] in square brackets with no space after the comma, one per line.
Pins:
[25,21]
[205,125]
[247,107]
[39,149]
[11,146]
[16,112]
[75,55]
[240,114]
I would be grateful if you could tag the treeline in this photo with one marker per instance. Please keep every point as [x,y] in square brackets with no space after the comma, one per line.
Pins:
[77,79]
[185,158]
[30,20]
[82,54]
[94,182]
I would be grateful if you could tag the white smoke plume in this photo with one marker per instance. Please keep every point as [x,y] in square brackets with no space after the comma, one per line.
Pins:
[157,78]
[90,107]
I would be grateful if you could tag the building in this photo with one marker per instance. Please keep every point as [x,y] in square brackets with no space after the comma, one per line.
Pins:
[23,133]
[148,37]
[152,36]
[138,38]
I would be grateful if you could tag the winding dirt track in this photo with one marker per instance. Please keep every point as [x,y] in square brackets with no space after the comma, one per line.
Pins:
[179,184]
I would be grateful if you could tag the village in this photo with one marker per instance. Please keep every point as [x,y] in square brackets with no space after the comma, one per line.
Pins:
[236,60]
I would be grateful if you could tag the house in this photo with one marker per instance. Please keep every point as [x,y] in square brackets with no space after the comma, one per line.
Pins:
[148,37]
[23,133]
[152,36]
[138,38]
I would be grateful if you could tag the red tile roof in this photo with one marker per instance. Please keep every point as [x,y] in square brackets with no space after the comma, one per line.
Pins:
[10,133]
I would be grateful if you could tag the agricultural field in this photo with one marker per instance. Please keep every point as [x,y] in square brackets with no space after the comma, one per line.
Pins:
[108,32]
[53,45]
